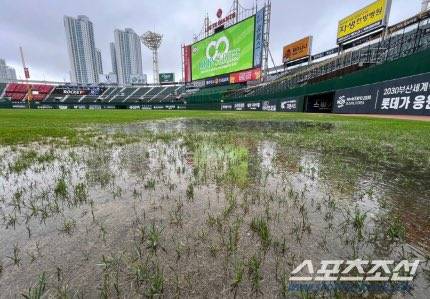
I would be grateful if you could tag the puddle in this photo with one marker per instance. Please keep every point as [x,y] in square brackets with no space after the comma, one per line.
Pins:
[194,201]
[199,125]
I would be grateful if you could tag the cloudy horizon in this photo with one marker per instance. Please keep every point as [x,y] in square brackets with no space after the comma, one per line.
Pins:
[40,31]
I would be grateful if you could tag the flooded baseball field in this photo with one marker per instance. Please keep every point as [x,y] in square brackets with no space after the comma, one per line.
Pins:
[201,208]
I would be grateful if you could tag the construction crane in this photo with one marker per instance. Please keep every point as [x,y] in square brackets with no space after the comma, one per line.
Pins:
[27,76]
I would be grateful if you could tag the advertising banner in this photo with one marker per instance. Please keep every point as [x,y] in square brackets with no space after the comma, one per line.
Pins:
[239,106]
[367,19]
[288,105]
[254,106]
[76,91]
[360,99]
[245,76]
[69,91]
[166,78]
[96,91]
[325,53]
[227,107]
[197,84]
[408,22]
[409,95]
[217,81]
[26,73]
[228,51]
[187,63]
[297,50]
[269,106]
[259,38]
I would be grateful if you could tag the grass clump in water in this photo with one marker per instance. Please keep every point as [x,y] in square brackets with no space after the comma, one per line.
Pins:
[38,290]
[60,190]
[396,229]
[260,226]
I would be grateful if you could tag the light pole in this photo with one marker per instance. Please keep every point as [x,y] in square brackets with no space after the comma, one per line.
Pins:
[152,41]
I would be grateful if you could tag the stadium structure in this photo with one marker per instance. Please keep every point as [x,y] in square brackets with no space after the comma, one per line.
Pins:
[375,68]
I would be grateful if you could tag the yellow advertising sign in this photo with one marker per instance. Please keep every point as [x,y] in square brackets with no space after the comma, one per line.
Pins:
[297,50]
[365,20]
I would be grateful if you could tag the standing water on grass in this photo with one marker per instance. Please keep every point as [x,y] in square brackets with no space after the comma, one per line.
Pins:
[194,208]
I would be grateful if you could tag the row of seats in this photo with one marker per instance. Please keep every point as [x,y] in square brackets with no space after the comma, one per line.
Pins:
[18,91]
[67,94]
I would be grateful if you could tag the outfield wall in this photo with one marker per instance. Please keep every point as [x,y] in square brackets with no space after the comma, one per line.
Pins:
[389,88]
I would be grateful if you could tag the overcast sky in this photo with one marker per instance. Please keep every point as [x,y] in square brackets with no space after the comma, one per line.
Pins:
[37,26]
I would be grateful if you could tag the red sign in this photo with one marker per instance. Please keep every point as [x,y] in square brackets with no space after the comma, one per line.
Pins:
[245,76]
[26,73]
[187,63]
[222,21]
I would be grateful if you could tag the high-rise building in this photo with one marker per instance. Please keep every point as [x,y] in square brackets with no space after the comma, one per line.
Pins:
[7,73]
[99,61]
[82,49]
[128,55]
[113,58]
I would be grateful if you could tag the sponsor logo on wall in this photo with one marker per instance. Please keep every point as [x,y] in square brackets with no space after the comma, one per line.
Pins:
[226,107]
[239,106]
[409,95]
[92,91]
[289,105]
[197,84]
[221,80]
[269,106]
[354,100]
[253,106]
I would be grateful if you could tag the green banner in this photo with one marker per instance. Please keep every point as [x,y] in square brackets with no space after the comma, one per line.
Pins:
[225,52]
[167,77]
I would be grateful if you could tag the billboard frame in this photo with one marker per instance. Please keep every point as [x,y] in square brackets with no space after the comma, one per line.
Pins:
[308,40]
[373,27]
[160,75]
[254,16]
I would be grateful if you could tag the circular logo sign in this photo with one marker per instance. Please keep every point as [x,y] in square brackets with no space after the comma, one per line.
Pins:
[219,13]
[214,49]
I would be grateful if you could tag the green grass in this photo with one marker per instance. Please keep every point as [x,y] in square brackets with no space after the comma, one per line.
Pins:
[379,139]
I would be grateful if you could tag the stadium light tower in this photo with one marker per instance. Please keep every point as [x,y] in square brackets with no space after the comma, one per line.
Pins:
[152,41]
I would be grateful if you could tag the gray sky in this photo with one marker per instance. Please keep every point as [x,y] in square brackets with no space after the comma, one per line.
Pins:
[37,25]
